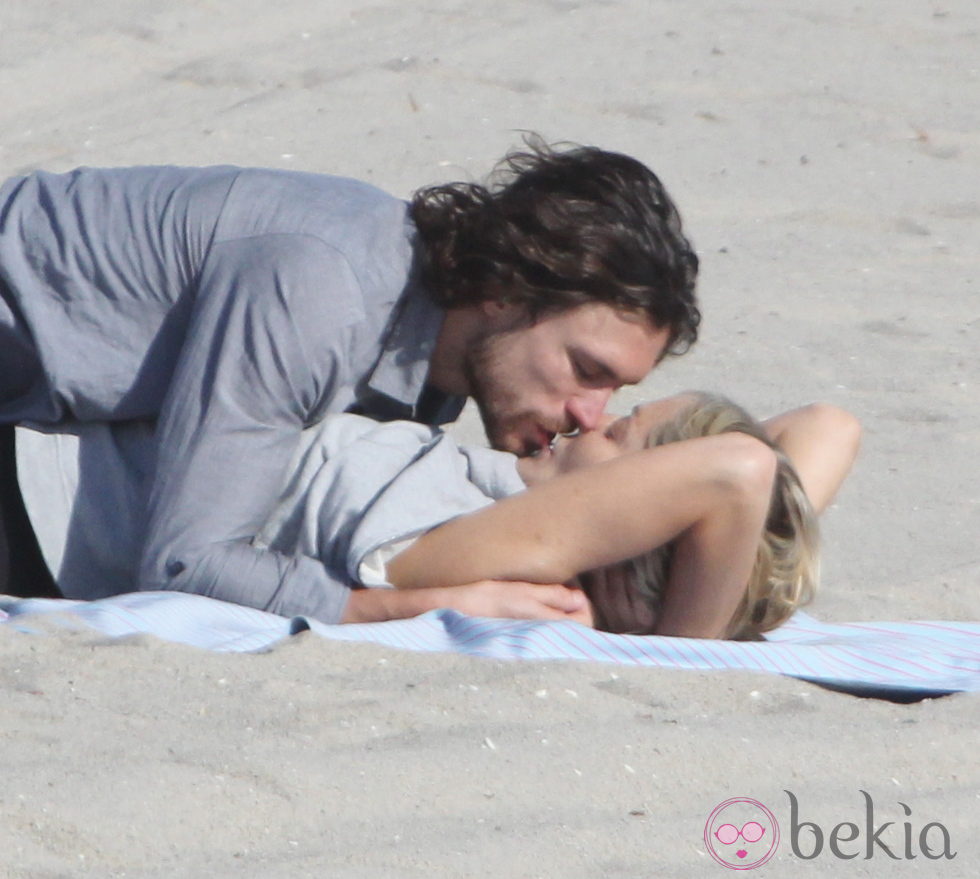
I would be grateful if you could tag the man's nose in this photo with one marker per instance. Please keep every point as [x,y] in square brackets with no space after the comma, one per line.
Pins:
[586,409]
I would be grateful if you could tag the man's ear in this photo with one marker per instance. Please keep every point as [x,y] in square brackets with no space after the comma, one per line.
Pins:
[495,307]
[499,313]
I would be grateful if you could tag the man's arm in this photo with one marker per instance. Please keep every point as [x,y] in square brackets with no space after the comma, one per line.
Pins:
[264,349]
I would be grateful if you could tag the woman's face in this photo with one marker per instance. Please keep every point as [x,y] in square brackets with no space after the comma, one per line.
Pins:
[611,438]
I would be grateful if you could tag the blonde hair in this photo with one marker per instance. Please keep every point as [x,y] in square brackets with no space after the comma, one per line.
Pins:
[786,568]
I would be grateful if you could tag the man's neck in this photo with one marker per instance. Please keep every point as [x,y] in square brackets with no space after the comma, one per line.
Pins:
[446,372]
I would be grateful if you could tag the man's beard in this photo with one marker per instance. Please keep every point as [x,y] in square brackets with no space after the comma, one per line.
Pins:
[495,405]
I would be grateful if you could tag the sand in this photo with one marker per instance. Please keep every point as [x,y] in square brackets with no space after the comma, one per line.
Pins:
[825,157]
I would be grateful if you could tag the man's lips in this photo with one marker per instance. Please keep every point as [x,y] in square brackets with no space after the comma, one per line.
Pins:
[539,442]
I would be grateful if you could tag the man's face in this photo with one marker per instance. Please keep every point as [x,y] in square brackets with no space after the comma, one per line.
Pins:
[532,381]
[611,438]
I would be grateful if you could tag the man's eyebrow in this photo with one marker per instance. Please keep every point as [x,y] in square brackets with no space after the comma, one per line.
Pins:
[600,370]
[620,378]
[596,367]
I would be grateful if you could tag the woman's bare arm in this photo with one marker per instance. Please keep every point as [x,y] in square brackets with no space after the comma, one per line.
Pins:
[596,516]
[710,565]
[613,511]
[822,441]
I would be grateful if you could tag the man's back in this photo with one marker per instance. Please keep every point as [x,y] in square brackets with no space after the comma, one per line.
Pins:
[95,263]
[100,270]
[233,307]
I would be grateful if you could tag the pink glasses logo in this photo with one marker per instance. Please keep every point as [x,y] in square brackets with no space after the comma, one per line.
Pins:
[741,834]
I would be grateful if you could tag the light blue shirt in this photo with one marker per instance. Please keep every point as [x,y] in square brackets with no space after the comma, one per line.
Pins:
[235,307]
[354,486]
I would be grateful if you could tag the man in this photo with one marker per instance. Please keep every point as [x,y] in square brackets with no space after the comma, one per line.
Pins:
[236,307]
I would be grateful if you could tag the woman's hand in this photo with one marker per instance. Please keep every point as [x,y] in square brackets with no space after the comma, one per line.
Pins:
[486,598]
[519,600]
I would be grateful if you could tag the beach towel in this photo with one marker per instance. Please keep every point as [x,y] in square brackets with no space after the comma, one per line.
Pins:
[904,661]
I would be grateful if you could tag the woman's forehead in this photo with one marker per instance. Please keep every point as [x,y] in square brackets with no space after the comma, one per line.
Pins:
[656,412]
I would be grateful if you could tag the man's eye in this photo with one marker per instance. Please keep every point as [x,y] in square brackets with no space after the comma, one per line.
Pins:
[585,373]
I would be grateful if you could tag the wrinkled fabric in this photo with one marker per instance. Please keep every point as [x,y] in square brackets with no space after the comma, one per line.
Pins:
[896,660]
[353,486]
[233,308]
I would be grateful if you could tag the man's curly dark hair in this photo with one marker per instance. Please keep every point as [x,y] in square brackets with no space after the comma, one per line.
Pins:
[554,229]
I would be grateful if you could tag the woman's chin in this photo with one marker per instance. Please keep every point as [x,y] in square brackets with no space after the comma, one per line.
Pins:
[537,467]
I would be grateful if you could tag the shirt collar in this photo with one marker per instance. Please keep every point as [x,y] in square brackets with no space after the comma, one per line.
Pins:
[403,366]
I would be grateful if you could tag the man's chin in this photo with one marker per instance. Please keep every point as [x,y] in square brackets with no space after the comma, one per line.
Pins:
[511,442]
[514,445]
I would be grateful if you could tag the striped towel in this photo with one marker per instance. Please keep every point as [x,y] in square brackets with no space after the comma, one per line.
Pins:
[904,661]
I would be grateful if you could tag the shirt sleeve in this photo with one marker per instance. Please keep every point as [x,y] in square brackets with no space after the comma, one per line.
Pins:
[263,355]
[432,487]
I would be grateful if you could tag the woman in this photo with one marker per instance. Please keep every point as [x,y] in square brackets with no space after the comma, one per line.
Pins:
[619,494]
[448,526]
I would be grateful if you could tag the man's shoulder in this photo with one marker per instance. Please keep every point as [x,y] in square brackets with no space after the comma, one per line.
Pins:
[301,194]
[365,224]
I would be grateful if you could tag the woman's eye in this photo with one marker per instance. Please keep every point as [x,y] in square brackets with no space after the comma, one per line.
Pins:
[617,429]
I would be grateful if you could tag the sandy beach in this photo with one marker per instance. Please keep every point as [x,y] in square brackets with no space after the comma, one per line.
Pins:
[826,158]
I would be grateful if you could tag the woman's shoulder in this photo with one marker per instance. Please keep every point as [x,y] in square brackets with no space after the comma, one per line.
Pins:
[338,432]
[494,473]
